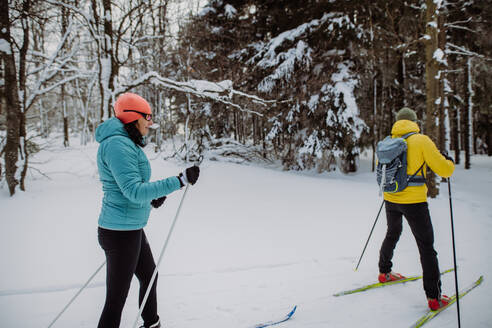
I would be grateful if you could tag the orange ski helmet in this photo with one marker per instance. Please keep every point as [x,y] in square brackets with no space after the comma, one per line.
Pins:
[130,107]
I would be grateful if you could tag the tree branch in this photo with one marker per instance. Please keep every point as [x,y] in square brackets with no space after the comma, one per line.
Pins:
[221,91]
[464,52]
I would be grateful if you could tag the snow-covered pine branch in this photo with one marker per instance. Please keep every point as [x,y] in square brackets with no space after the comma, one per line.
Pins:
[284,62]
[268,56]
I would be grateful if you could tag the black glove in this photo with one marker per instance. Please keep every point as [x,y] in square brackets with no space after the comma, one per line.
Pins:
[156,203]
[446,156]
[190,175]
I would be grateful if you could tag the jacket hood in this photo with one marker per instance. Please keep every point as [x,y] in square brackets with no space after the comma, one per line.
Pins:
[402,127]
[110,128]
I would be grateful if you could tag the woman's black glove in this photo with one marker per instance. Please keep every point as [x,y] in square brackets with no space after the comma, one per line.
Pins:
[190,175]
[156,203]
[446,156]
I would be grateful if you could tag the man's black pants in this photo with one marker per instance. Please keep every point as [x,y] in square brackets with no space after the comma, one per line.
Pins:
[127,253]
[419,220]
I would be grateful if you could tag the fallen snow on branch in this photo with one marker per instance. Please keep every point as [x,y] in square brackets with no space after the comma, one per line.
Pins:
[218,91]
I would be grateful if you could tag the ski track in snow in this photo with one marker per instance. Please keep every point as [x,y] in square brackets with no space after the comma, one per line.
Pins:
[47,289]
[59,288]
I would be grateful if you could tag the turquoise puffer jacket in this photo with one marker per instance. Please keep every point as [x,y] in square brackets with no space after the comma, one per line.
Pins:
[124,171]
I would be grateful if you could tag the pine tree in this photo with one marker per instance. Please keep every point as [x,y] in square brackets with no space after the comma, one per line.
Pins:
[297,54]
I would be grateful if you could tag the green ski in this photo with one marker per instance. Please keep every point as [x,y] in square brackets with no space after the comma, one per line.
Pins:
[431,314]
[383,284]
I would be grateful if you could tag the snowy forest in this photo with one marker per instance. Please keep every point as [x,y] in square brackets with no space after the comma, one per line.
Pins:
[309,84]
[281,103]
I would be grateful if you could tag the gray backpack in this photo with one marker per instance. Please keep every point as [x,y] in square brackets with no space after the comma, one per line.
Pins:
[391,171]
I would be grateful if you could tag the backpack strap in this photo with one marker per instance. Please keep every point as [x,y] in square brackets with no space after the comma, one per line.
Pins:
[415,180]
[383,180]
[408,135]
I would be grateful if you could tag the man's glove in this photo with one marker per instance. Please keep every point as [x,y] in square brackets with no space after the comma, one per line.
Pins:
[446,156]
[156,203]
[190,175]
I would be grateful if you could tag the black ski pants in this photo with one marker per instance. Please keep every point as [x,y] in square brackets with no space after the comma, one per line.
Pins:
[419,220]
[127,253]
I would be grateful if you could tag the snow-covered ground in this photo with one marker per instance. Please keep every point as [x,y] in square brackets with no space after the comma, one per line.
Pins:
[251,242]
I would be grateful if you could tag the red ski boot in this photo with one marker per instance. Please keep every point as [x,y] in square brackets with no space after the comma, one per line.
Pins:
[437,303]
[390,276]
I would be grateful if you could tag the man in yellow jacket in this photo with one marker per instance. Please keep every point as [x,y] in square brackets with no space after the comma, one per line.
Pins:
[412,203]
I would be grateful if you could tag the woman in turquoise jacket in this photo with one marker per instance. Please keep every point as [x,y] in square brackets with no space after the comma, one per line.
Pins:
[124,171]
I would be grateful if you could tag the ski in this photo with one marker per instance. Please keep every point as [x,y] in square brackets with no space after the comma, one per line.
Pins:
[383,284]
[431,314]
[276,322]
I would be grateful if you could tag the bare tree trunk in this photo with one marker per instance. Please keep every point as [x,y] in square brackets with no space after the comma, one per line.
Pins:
[467,115]
[488,117]
[489,132]
[160,118]
[400,96]
[444,133]
[24,151]
[454,117]
[66,142]
[106,62]
[16,140]
[2,101]
[382,118]
[475,136]
[64,25]
[187,149]
[455,126]
[254,129]
[26,8]
[374,122]
[235,126]
[242,119]
[374,63]
[263,136]
[41,119]
[12,104]
[85,111]
[431,85]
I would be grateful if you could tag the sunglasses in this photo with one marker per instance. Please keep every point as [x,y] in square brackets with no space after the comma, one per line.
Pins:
[147,117]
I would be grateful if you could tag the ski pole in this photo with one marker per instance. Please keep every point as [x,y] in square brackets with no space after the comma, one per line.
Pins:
[367,242]
[77,294]
[454,254]
[154,274]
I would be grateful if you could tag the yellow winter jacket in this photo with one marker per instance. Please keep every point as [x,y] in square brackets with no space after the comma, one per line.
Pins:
[420,149]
